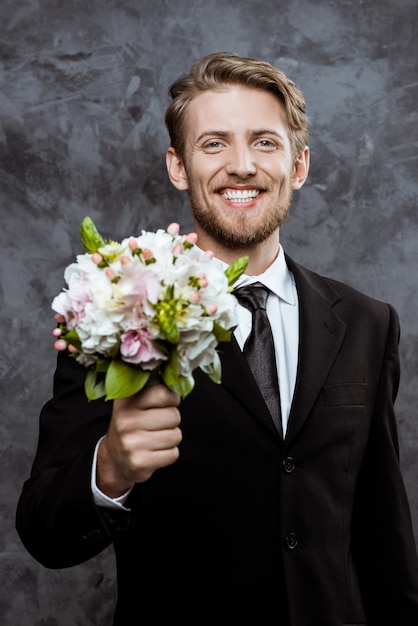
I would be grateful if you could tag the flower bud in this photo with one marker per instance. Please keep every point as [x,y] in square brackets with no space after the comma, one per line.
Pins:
[96,258]
[195,298]
[173,229]
[191,238]
[147,254]
[178,249]
[60,345]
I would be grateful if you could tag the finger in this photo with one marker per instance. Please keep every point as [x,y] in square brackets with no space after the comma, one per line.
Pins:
[158,396]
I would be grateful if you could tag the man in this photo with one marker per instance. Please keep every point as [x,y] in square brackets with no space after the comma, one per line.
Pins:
[217,515]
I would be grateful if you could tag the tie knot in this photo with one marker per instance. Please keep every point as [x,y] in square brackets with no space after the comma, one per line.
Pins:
[252,296]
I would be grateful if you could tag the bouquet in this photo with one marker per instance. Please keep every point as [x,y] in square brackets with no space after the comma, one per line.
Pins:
[152,305]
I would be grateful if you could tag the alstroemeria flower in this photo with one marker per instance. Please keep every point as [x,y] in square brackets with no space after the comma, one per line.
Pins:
[137,347]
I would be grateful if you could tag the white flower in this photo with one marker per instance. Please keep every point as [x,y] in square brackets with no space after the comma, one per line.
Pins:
[147,303]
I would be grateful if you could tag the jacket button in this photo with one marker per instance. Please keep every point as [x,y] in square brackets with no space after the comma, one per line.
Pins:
[291,541]
[289,465]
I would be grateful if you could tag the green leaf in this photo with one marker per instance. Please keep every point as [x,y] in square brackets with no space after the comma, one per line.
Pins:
[214,370]
[221,333]
[94,385]
[182,385]
[234,271]
[90,236]
[102,365]
[72,338]
[124,380]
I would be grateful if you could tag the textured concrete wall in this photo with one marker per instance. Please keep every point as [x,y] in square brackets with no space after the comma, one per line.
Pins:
[82,97]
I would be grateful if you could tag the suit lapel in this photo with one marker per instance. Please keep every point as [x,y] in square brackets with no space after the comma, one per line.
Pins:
[238,380]
[321,333]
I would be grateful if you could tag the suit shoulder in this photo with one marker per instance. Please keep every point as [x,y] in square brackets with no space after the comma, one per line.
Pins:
[336,291]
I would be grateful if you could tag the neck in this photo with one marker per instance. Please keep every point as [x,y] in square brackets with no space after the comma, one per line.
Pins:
[260,256]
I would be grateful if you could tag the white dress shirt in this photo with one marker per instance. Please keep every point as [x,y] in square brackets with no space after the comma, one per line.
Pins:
[283,313]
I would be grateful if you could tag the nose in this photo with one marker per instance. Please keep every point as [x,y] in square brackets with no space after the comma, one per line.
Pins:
[241,161]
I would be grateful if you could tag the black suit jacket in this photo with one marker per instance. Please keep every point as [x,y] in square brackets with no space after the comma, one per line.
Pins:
[314,530]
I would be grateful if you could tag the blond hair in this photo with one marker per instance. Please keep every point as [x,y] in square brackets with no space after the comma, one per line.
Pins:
[217,70]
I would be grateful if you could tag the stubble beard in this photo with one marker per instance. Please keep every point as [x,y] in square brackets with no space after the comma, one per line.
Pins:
[244,233]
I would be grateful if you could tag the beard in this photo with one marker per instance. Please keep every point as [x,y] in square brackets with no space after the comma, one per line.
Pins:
[245,232]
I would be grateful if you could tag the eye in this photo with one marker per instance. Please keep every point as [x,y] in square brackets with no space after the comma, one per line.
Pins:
[267,143]
[213,146]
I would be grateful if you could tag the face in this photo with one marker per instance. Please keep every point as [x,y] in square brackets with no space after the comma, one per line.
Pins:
[238,167]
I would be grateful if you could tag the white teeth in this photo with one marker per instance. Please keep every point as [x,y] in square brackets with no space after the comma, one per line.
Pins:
[240,196]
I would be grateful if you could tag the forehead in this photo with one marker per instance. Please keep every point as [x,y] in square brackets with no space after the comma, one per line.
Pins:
[235,109]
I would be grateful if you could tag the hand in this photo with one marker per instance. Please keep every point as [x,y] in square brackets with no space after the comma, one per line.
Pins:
[143,436]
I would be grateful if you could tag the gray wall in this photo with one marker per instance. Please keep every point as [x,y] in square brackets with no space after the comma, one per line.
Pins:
[82,97]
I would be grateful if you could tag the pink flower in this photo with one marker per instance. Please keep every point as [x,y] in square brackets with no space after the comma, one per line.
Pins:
[138,348]
[139,288]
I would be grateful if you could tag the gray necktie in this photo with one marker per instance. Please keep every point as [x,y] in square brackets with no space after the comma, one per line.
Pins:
[259,348]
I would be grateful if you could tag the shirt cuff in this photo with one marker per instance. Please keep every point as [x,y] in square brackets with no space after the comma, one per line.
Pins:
[100,498]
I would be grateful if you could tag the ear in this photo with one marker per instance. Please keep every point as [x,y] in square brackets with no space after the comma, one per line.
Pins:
[301,169]
[176,170]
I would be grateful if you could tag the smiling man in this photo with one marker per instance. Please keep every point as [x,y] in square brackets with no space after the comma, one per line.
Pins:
[239,168]
[221,512]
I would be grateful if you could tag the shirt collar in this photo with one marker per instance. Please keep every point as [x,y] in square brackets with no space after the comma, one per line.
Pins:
[277,277]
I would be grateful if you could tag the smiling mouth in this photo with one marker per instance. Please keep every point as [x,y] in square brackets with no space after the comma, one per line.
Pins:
[241,196]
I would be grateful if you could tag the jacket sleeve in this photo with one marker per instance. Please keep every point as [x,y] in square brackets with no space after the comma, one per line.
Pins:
[383,533]
[57,519]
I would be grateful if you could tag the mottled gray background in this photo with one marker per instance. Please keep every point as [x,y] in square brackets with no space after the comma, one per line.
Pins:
[82,97]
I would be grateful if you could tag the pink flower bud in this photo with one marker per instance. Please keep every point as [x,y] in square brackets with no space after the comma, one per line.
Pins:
[211,309]
[173,229]
[72,349]
[96,258]
[132,244]
[147,254]
[60,345]
[178,249]
[125,260]
[191,238]
[209,254]
[203,282]
[195,298]
[60,319]
[57,332]
[110,273]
